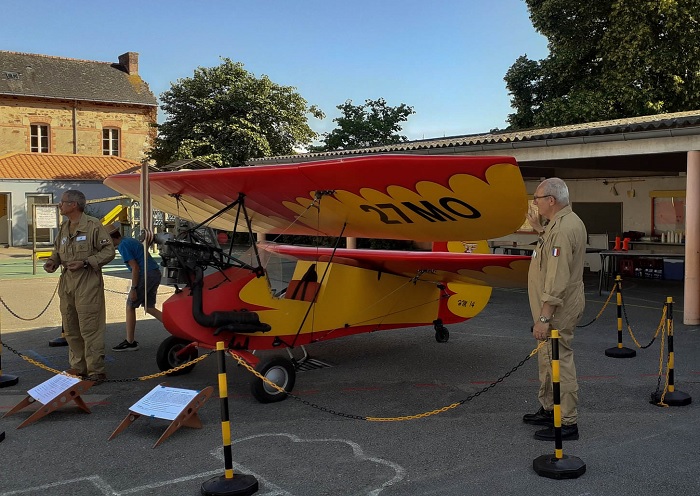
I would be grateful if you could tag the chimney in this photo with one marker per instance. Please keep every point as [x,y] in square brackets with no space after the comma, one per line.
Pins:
[130,62]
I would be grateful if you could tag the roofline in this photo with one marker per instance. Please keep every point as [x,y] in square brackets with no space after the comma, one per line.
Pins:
[75,155]
[56,57]
[80,99]
[633,128]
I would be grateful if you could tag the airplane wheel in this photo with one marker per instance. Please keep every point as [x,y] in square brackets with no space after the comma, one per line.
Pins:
[442,335]
[167,358]
[280,371]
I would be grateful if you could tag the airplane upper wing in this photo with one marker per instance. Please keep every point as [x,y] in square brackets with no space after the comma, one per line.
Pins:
[503,271]
[417,197]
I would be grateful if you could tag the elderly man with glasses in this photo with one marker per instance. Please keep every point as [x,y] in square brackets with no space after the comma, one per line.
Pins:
[81,248]
[555,289]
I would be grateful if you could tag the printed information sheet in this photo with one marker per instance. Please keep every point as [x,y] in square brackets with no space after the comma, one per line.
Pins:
[48,390]
[164,402]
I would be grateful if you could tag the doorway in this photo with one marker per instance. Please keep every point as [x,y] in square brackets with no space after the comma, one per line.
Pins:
[5,219]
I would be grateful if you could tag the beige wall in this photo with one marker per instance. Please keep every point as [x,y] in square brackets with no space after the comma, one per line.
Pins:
[135,123]
[636,210]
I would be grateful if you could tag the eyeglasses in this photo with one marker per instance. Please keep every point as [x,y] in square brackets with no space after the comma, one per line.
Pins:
[65,202]
[535,197]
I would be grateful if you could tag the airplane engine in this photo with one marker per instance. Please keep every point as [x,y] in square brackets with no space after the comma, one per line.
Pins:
[181,258]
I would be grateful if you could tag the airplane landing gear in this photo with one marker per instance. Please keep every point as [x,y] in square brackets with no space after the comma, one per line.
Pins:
[442,335]
[278,370]
[168,355]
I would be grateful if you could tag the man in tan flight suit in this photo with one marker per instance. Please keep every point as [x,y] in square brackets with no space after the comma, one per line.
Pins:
[81,248]
[555,289]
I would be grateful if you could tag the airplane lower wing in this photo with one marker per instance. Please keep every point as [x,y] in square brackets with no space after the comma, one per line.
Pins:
[502,271]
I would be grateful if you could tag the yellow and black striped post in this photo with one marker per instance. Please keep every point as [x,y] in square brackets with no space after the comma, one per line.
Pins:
[619,351]
[671,396]
[229,483]
[559,465]
[5,379]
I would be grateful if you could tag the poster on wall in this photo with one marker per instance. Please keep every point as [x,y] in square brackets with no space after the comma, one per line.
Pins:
[668,211]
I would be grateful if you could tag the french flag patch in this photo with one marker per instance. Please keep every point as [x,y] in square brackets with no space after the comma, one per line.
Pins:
[555,251]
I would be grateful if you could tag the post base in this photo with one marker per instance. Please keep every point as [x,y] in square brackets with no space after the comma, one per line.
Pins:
[58,342]
[675,398]
[7,380]
[620,353]
[568,467]
[239,484]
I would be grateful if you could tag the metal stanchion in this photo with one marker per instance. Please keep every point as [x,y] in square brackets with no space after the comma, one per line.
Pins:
[671,397]
[59,341]
[619,351]
[558,465]
[228,484]
[6,380]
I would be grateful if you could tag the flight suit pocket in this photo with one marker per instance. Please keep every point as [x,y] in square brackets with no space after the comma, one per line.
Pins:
[82,249]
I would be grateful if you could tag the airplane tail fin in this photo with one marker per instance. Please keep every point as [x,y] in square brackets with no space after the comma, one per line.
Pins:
[462,246]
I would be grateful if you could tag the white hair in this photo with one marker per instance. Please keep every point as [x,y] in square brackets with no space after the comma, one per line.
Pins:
[557,188]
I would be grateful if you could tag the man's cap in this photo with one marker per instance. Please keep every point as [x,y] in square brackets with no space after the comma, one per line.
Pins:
[112,228]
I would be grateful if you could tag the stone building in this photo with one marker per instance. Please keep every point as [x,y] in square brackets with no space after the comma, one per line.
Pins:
[60,105]
[63,122]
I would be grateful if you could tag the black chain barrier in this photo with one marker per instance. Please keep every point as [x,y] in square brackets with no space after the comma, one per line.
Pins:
[629,326]
[31,318]
[420,415]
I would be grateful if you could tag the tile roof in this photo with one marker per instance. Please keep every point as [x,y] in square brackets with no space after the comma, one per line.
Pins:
[54,166]
[674,123]
[43,76]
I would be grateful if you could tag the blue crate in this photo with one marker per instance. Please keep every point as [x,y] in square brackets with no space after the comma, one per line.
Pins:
[674,269]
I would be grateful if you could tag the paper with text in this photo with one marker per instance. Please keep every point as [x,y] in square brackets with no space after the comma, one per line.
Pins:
[48,390]
[164,402]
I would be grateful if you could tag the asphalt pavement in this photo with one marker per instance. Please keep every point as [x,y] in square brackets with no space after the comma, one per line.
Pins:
[320,443]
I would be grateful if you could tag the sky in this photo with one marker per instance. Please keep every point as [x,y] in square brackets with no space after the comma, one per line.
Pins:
[444,58]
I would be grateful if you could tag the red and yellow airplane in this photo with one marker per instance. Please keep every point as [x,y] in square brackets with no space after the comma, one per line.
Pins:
[333,292]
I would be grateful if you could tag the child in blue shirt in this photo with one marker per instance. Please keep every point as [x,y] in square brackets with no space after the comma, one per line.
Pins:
[131,252]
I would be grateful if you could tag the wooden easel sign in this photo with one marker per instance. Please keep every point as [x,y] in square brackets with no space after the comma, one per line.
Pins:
[175,404]
[53,394]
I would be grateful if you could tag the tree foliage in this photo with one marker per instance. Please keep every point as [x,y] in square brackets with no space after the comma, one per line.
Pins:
[608,59]
[362,126]
[224,115]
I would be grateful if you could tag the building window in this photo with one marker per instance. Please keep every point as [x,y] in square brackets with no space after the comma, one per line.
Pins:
[110,141]
[39,138]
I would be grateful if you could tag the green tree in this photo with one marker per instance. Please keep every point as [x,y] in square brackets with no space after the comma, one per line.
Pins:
[224,115]
[362,126]
[608,59]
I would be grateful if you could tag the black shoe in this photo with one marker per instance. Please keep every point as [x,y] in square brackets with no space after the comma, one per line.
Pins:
[97,378]
[540,417]
[75,373]
[126,346]
[568,433]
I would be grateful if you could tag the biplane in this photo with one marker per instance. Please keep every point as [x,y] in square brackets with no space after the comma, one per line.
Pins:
[331,292]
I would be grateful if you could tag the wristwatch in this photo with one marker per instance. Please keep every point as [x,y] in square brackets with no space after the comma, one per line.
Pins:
[544,320]
[85,264]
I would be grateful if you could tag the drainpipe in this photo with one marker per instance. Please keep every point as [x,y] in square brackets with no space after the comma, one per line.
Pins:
[75,127]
